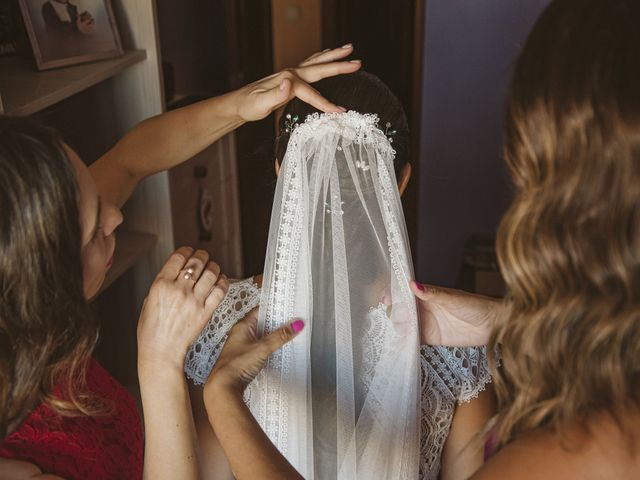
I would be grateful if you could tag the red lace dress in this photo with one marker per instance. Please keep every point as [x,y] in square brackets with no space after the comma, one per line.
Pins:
[104,447]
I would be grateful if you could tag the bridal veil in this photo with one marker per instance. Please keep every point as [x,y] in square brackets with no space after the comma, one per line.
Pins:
[343,399]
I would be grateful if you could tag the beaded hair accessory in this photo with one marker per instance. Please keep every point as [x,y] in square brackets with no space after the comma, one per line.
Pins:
[388,132]
[290,123]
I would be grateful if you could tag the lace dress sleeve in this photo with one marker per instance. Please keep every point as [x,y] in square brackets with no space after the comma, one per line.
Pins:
[462,372]
[450,376]
[241,298]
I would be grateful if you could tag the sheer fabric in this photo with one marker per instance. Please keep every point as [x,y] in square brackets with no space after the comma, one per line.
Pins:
[343,400]
[450,376]
[336,405]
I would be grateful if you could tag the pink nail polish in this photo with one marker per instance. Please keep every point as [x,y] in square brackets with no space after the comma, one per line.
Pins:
[419,286]
[297,325]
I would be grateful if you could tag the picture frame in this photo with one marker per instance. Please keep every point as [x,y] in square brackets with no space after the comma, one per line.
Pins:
[69,32]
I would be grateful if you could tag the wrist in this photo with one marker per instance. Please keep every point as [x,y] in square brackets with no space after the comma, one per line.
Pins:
[229,104]
[220,401]
[497,312]
[153,368]
[217,392]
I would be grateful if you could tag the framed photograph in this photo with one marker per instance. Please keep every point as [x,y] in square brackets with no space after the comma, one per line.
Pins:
[68,32]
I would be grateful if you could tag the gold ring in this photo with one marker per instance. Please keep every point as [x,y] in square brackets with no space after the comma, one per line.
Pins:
[188,273]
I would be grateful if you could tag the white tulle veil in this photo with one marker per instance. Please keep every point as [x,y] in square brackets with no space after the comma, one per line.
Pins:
[343,399]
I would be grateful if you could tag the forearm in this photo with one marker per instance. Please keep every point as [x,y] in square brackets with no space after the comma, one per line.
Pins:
[162,142]
[463,452]
[170,439]
[213,464]
[248,449]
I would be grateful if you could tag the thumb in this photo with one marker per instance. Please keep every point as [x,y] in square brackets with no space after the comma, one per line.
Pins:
[422,291]
[276,339]
[273,98]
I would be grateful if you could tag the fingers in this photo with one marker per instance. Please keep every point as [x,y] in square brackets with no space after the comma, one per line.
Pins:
[328,55]
[216,295]
[276,339]
[424,291]
[248,323]
[290,87]
[274,91]
[194,267]
[268,100]
[311,96]
[207,281]
[251,318]
[442,295]
[315,72]
[175,263]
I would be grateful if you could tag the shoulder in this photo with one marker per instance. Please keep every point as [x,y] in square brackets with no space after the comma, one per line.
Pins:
[529,458]
[600,452]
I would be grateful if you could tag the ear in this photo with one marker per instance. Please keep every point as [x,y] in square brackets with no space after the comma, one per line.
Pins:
[276,165]
[405,176]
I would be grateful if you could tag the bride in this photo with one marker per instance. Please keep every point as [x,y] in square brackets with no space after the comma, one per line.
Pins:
[360,393]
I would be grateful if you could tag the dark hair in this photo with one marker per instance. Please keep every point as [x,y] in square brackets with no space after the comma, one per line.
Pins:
[569,246]
[46,330]
[360,91]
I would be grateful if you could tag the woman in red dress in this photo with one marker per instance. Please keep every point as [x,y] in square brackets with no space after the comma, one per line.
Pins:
[61,414]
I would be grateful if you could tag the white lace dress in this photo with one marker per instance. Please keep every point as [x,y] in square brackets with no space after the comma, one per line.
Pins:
[450,375]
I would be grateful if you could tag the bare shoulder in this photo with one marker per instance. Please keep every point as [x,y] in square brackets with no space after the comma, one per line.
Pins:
[19,470]
[601,453]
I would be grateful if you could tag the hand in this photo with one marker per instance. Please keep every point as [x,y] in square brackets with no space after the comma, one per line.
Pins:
[85,23]
[178,307]
[244,354]
[259,99]
[455,318]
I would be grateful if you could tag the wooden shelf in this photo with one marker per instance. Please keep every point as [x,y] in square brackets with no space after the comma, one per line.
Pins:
[24,91]
[130,247]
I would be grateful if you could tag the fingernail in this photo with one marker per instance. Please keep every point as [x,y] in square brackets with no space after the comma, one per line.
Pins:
[326,50]
[355,61]
[297,325]
[419,286]
[348,45]
[342,109]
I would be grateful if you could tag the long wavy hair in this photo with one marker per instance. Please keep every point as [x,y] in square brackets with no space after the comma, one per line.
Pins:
[46,329]
[569,246]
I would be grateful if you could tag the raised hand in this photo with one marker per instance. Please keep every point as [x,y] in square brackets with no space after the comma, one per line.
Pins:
[259,99]
[453,317]
[181,301]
